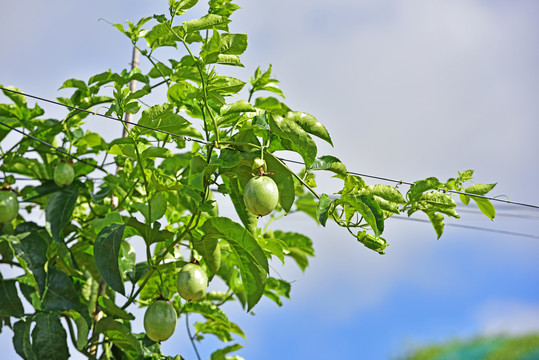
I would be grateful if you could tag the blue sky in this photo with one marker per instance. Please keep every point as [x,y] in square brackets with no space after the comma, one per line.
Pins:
[407,90]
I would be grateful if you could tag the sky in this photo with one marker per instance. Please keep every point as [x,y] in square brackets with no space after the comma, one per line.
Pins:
[407,90]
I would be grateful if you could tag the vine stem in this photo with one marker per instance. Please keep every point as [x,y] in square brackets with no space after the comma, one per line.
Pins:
[190,336]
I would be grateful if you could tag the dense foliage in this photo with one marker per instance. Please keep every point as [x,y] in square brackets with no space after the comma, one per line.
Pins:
[158,184]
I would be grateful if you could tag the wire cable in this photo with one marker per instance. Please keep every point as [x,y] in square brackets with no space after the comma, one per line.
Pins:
[398,182]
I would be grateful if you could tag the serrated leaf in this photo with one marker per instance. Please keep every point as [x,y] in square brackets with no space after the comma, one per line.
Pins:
[160,35]
[106,253]
[330,163]
[386,192]
[59,210]
[161,117]
[252,261]
[322,210]
[49,338]
[233,44]
[181,6]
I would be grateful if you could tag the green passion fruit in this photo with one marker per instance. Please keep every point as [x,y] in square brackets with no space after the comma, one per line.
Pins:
[160,320]
[261,195]
[9,206]
[64,174]
[192,282]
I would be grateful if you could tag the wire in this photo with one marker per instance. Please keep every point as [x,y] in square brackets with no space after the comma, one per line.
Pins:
[479,228]
[399,182]
[106,116]
[54,147]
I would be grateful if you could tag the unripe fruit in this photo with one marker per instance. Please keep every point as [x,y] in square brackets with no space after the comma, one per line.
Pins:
[192,282]
[63,174]
[261,195]
[9,206]
[160,320]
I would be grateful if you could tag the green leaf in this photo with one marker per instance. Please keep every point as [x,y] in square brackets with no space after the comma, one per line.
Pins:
[181,6]
[106,252]
[282,175]
[31,251]
[437,221]
[237,107]
[49,338]
[21,339]
[479,189]
[82,329]
[60,293]
[322,210]
[301,141]
[157,152]
[486,207]
[277,288]
[252,261]
[10,304]
[160,35]
[227,159]
[309,124]
[161,117]
[158,207]
[233,44]
[386,192]
[248,219]
[60,209]
[299,247]
[368,208]
[221,353]
[331,163]
[155,235]
[419,187]
[196,173]
[225,85]
[206,23]
[210,250]
[111,309]
[121,336]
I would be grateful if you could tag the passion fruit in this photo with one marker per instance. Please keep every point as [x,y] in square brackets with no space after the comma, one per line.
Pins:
[160,320]
[261,195]
[64,174]
[192,282]
[9,206]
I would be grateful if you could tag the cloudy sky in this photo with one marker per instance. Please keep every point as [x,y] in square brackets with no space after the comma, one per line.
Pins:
[407,89]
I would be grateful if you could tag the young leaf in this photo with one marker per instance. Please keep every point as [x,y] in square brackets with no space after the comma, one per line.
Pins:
[206,22]
[386,192]
[106,252]
[49,338]
[299,247]
[479,189]
[252,261]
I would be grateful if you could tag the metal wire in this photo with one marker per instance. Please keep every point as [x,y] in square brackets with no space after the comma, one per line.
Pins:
[207,143]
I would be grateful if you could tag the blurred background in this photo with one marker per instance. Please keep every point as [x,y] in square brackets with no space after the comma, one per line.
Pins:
[407,90]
